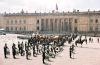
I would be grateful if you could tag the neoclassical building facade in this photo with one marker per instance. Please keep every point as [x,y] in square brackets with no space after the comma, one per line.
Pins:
[55,22]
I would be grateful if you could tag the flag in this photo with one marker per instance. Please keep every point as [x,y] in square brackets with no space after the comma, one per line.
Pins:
[56,7]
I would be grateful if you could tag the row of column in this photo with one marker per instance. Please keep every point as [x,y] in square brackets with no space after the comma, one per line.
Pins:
[55,25]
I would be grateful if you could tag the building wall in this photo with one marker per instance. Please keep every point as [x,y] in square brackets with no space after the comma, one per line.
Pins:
[51,23]
[20,23]
[2,23]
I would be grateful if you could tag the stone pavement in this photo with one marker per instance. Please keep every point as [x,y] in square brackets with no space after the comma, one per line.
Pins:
[89,54]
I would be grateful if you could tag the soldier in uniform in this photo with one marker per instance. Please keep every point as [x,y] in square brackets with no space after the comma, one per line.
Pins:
[25,45]
[37,47]
[34,50]
[22,49]
[43,57]
[14,50]
[98,40]
[27,52]
[43,54]
[19,47]
[5,50]
[70,51]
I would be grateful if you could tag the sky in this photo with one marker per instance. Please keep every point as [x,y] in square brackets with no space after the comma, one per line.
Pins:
[12,6]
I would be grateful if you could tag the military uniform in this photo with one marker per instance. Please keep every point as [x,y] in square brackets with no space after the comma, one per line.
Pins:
[14,51]
[5,50]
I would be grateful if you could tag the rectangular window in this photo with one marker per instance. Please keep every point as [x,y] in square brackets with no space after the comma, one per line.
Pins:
[46,24]
[37,27]
[20,22]
[37,21]
[96,28]
[42,24]
[91,29]
[91,20]
[75,30]
[96,21]
[51,24]
[24,28]
[24,21]
[20,29]
[7,28]
[15,21]
[11,28]
[15,28]
[11,21]
[75,20]
[7,21]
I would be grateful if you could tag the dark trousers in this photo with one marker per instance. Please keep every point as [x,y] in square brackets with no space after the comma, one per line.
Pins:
[5,55]
[70,53]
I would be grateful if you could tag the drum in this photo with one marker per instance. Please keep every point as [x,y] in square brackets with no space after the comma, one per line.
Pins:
[57,49]
[8,51]
[46,56]
[23,53]
[17,52]
[29,53]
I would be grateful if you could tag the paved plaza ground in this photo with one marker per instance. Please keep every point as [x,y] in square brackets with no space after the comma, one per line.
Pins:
[89,54]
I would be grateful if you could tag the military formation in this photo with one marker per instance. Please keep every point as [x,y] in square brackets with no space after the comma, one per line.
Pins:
[46,46]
